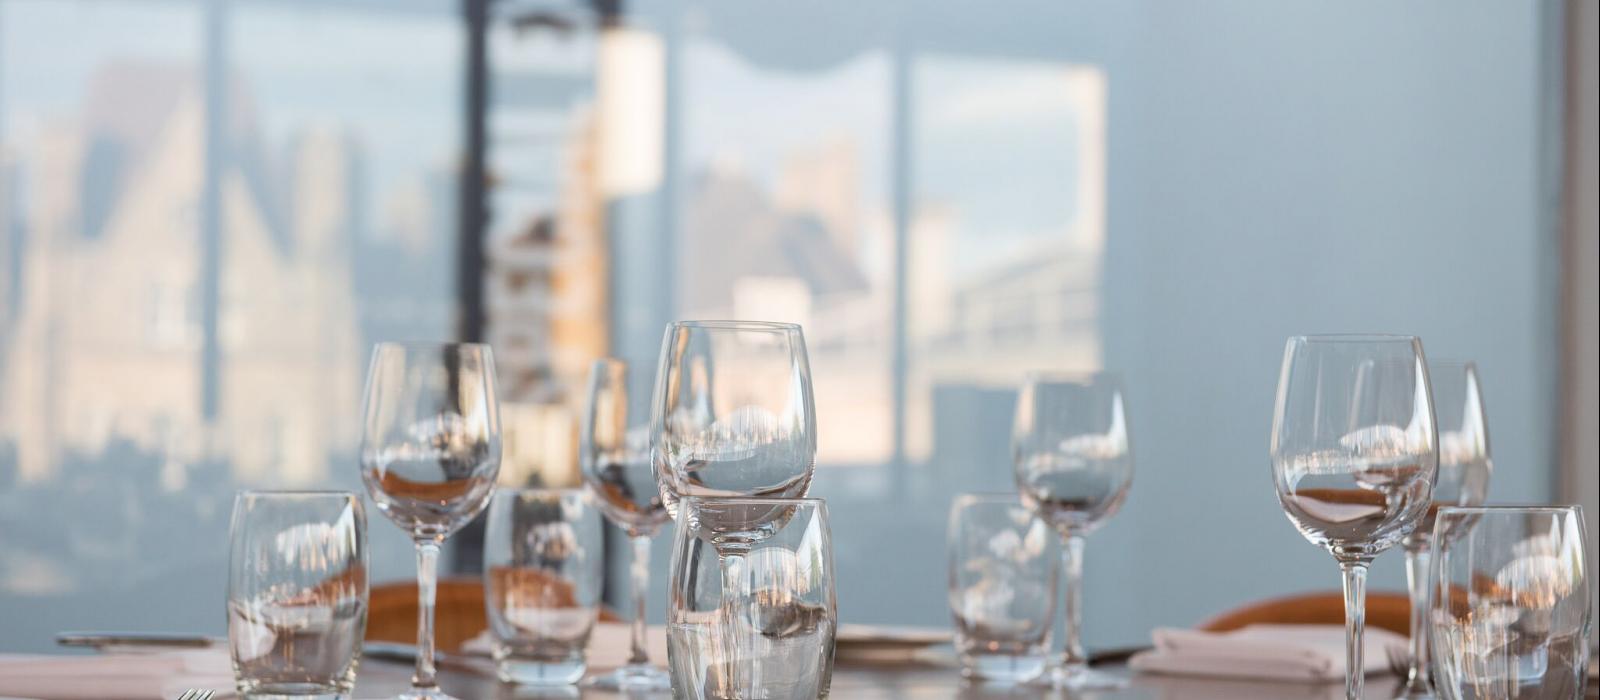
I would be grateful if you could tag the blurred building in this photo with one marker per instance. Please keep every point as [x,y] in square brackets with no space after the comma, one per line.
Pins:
[108,333]
[547,279]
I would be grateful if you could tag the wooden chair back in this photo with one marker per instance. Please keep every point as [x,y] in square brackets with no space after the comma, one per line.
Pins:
[459,614]
[1390,611]
[457,617]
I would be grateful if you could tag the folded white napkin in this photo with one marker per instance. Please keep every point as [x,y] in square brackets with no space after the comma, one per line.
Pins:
[610,645]
[1312,653]
[160,676]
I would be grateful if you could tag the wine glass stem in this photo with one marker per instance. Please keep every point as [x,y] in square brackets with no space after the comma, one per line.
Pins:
[1417,582]
[735,595]
[640,571]
[1073,659]
[427,595]
[1355,621]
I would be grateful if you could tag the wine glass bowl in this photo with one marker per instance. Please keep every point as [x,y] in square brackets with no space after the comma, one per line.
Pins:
[1353,444]
[1465,464]
[430,454]
[733,413]
[1354,455]
[614,456]
[1071,449]
[430,448]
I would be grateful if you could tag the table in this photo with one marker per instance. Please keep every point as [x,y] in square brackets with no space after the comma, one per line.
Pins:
[383,679]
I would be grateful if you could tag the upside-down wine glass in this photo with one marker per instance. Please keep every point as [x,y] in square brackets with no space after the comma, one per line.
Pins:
[615,459]
[1073,459]
[430,452]
[1354,455]
[1463,480]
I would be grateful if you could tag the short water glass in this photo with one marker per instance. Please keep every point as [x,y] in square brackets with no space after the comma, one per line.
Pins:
[542,569]
[1511,613]
[778,641]
[1002,587]
[297,593]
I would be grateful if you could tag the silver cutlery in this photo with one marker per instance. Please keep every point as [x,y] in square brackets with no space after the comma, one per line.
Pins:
[102,640]
[479,664]
[1399,659]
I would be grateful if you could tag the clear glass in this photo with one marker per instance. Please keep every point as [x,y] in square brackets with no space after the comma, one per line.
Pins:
[733,413]
[1074,465]
[1464,468]
[615,459]
[1511,613]
[430,452]
[1354,455]
[297,593]
[1002,587]
[543,569]
[780,645]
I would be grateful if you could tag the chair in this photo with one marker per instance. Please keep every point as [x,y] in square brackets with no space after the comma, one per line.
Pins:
[457,617]
[1390,611]
[458,614]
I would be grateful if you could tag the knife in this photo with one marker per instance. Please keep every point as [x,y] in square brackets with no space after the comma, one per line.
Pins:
[407,654]
[101,640]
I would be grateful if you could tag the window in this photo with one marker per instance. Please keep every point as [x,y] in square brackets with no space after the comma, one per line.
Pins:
[208,211]
[1047,186]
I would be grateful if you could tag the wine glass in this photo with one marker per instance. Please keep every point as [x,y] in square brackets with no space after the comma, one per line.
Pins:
[615,459]
[1511,613]
[1074,465]
[1354,455]
[733,413]
[430,452]
[1463,480]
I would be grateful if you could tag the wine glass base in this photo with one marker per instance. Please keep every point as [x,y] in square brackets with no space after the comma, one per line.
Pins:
[632,677]
[424,694]
[1410,692]
[1085,679]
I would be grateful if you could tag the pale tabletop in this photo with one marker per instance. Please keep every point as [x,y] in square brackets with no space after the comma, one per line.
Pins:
[384,679]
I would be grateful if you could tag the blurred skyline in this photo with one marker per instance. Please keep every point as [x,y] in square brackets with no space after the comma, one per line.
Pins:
[332,225]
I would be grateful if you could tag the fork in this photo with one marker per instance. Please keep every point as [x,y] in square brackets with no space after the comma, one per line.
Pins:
[196,694]
[1399,661]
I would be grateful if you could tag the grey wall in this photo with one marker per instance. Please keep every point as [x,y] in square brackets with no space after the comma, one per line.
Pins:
[1274,169]
[1302,168]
